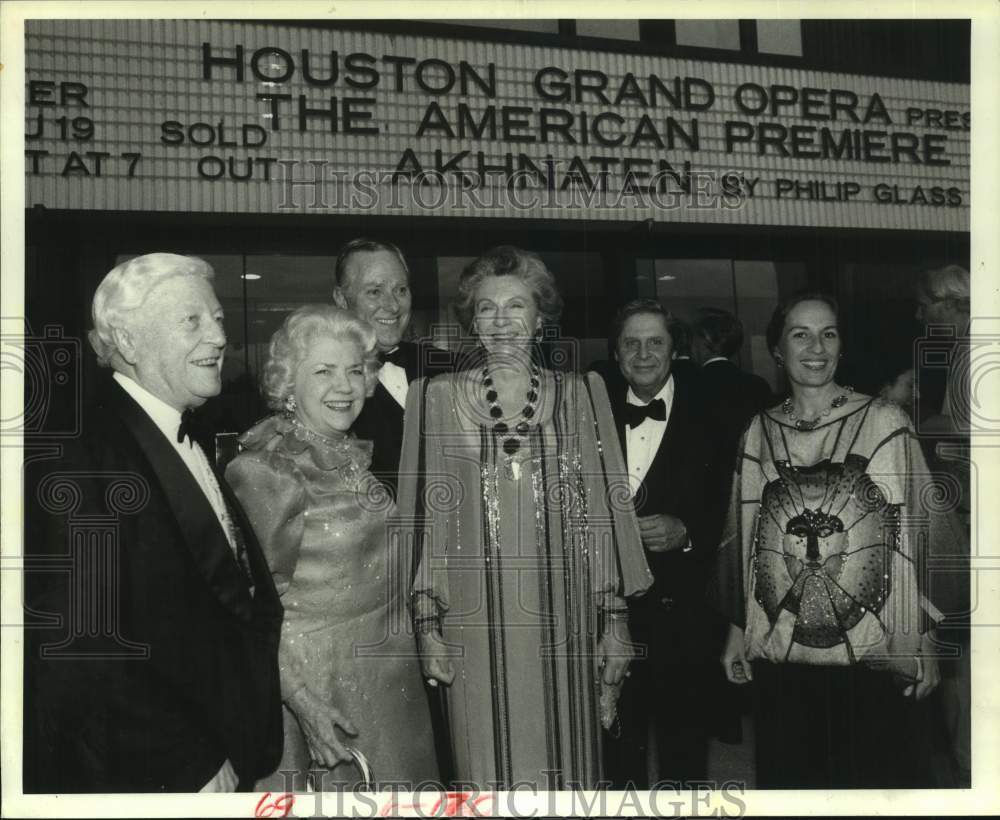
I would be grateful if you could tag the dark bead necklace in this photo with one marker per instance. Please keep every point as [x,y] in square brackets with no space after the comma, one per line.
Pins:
[512,439]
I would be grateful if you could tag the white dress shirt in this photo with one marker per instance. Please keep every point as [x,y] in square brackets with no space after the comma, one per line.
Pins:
[642,442]
[393,378]
[715,359]
[168,421]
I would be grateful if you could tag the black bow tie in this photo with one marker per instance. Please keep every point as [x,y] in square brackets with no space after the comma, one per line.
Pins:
[394,356]
[636,414]
[189,427]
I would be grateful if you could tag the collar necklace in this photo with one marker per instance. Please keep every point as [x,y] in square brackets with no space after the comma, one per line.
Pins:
[802,424]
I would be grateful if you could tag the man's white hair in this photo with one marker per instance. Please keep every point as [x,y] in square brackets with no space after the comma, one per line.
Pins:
[124,290]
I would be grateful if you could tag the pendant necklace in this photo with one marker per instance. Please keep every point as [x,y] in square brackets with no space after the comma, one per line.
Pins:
[801,423]
[511,439]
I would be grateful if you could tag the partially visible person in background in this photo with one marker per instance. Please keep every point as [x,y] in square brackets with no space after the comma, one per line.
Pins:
[944,301]
[944,304]
[730,395]
[684,368]
[372,281]
[349,673]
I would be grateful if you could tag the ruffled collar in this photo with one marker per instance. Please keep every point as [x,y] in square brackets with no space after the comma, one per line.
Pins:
[290,435]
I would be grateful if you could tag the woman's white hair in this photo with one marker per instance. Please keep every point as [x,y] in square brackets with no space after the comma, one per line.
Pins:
[291,343]
[125,289]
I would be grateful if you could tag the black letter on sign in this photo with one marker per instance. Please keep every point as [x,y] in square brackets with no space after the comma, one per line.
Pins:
[307,73]
[207,61]
[74,163]
[279,52]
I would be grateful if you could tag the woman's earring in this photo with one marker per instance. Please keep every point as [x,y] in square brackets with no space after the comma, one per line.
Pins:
[290,406]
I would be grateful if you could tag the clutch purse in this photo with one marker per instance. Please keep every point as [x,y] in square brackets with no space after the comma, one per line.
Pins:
[361,764]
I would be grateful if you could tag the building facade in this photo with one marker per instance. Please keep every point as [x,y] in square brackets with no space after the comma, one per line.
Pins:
[718,163]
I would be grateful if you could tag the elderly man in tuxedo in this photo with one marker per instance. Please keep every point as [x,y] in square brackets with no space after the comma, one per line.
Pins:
[373,282]
[157,669]
[667,453]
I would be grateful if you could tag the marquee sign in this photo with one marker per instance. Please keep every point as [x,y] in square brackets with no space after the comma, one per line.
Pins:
[245,117]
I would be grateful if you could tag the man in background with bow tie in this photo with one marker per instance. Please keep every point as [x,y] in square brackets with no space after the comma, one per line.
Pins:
[373,282]
[667,453]
[157,670]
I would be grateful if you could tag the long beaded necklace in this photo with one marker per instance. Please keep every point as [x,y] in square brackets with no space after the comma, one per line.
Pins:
[512,439]
[803,424]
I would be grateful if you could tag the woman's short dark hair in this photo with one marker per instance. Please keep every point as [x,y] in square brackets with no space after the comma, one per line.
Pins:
[507,260]
[777,324]
[721,331]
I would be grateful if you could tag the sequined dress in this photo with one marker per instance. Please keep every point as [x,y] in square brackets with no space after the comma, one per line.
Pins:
[517,567]
[346,635]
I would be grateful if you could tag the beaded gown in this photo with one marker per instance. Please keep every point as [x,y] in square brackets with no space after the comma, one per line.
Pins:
[517,563]
[346,636]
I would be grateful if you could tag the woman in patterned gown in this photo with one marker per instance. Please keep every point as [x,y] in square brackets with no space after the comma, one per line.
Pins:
[349,670]
[526,541]
[821,576]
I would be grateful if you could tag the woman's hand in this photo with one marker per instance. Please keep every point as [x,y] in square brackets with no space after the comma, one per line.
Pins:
[931,671]
[614,651]
[734,659]
[434,659]
[318,720]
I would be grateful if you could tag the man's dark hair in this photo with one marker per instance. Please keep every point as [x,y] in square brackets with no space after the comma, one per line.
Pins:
[680,332]
[721,331]
[632,308]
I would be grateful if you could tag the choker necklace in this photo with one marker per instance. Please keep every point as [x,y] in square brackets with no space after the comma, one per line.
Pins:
[801,423]
[512,439]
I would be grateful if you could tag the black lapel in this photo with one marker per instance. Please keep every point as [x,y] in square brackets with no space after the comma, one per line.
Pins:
[384,400]
[202,533]
[672,436]
[676,425]
[265,596]
[618,412]
[411,360]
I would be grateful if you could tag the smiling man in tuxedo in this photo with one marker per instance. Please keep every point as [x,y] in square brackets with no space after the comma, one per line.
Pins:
[667,453]
[158,671]
[373,282]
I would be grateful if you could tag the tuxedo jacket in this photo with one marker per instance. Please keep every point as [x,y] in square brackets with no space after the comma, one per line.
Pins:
[148,662]
[381,419]
[729,398]
[676,485]
[685,370]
